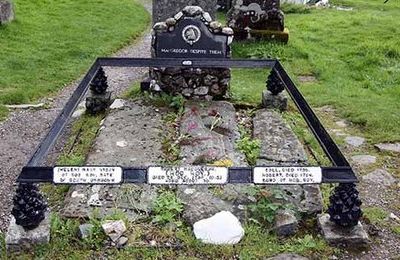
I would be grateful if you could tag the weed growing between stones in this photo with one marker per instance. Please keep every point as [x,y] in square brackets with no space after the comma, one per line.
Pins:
[3,253]
[248,146]
[269,201]
[375,215]
[167,208]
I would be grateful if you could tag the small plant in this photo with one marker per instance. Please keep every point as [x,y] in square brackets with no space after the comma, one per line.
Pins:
[268,203]
[167,208]
[249,146]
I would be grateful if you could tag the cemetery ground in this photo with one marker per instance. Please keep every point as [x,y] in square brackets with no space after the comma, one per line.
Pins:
[346,64]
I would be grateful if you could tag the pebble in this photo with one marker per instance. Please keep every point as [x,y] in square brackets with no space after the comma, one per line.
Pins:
[389,147]
[122,144]
[363,160]
[355,141]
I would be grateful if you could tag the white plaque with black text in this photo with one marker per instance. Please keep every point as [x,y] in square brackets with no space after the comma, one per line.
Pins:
[287,175]
[187,175]
[87,175]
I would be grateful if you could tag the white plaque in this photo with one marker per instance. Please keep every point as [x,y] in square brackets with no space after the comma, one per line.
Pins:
[187,175]
[287,175]
[87,175]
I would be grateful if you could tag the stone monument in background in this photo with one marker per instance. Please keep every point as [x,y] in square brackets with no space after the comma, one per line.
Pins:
[6,11]
[259,19]
[163,9]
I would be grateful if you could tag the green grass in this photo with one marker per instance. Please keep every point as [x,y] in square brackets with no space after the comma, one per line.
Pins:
[53,42]
[375,215]
[355,57]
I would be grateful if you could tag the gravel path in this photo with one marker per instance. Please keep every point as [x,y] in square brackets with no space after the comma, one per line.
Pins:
[23,130]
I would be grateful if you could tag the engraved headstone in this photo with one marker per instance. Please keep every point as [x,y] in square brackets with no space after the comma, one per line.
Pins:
[163,9]
[191,33]
[257,19]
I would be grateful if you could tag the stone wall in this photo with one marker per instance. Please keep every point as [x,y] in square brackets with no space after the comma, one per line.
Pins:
[163,9]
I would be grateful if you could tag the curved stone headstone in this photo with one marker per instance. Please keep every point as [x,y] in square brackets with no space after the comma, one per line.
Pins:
[191,33]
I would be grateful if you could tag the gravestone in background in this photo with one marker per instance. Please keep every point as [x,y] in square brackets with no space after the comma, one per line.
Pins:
[6,11]
[260,19]
[163,9]
[191,34]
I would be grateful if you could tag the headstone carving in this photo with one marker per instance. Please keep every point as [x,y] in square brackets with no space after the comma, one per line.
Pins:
[258,19]
[6,11]
[191,33]
[163,9]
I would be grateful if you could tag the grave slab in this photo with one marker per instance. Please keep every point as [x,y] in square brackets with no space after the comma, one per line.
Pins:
[130,135]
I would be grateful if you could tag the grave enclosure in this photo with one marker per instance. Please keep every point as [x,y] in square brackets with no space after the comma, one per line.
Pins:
[191,56]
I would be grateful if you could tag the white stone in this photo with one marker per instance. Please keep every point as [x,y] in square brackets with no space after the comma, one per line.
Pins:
[221,229]
[227,31]
[178,16]
[394,217]
[355,141]
[94,200]
[78,113]
[189,191]
[122,144]
[114,229]
[76,194]
[363,160]
[389,147]
[117,104]
[207,17]
[380,177]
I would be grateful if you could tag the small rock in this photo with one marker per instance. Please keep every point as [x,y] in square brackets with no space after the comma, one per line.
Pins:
[215,25]
[114,229]
[170,21]
[201,91]
[341,123]
[355,141]
[363,160]
[178,16]
[287,257]
[285,223]
[160,27]
[394,217]
[227,31]
[85,230]
[221,229]
[389,147]
[6,11]
[339,236]
[122,242]
[192,10]
[94,200]
[380,177]
[207,17]
[153,243]
[76,194]
[117,104]
[122,144]
[78,113]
